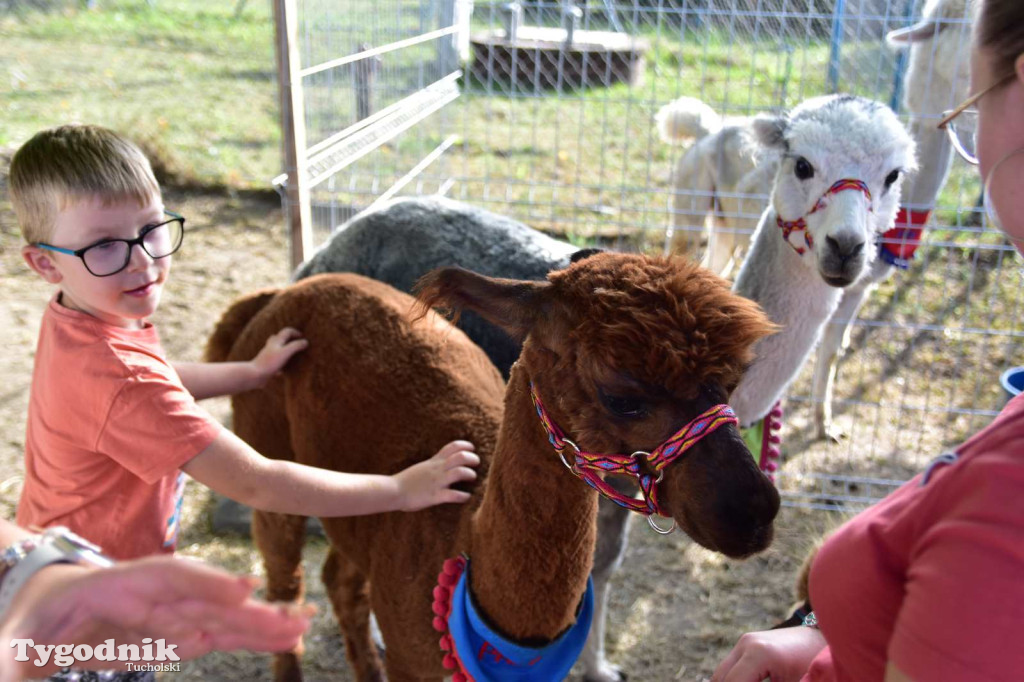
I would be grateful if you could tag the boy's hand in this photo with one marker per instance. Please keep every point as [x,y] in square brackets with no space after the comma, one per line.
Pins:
[278,350]
[427,483]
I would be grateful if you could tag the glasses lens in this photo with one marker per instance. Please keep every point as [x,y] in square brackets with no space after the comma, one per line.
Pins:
[106,258]
[163,240]
[963,132]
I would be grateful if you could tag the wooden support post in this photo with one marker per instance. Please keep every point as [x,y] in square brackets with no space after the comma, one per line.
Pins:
[293,130]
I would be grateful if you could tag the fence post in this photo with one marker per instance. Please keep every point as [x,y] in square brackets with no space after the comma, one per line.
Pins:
[293,130]
[835,51]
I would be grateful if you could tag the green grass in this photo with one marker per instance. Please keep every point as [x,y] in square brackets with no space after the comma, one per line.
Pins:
[185,76]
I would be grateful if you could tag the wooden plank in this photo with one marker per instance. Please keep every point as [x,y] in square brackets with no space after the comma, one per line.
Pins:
[293,130]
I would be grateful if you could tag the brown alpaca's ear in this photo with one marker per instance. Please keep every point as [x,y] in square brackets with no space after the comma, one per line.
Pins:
[511,304]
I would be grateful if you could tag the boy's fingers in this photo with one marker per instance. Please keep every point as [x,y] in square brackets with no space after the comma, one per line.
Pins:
[454,447]
[461,474]
[449,495]
[464,458]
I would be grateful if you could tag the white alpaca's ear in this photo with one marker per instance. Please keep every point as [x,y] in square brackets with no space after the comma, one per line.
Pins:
[919,32]
[770,131]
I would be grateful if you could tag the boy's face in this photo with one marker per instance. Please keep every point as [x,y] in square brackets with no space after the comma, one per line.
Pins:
[124,299]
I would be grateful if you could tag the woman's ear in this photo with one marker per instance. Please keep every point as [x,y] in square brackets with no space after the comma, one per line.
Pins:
[1018,66]
[42,263]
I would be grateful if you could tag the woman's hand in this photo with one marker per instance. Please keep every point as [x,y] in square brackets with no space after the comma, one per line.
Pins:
[782,655]
[196,607]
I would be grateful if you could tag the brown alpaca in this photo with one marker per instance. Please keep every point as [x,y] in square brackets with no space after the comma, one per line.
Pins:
[622,349]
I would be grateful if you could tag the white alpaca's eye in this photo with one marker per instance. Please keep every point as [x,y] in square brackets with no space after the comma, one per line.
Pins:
[803,169]
[891,178]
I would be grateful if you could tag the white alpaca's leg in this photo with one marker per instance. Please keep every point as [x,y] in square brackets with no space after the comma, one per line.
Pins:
[612,536]
[835,339]
[692,200]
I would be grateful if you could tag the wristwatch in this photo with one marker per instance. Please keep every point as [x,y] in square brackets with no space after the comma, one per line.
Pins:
[56,545]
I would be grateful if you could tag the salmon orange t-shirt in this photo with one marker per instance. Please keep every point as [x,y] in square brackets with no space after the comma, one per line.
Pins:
[932,577]
[109,427]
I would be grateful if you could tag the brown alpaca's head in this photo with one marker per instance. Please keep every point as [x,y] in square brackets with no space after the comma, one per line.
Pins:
[624,350]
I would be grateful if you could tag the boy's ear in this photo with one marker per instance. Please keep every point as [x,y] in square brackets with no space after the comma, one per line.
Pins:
[42,263]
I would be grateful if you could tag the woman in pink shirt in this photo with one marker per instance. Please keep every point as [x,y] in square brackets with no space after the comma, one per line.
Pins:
[928,585]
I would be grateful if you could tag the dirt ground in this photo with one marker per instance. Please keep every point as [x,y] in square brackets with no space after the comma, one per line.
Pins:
[676,609]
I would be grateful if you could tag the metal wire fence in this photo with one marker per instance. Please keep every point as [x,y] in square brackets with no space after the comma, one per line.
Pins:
[423,96]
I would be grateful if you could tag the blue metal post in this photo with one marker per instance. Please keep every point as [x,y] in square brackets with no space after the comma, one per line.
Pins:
[901,64]
[836,46]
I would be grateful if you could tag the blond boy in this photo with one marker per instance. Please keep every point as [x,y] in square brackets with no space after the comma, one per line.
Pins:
[112,423]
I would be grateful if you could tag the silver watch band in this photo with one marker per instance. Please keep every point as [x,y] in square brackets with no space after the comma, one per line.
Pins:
[51,548]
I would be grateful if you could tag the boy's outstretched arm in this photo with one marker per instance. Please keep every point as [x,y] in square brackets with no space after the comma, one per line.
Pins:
[211,379]
[232,468]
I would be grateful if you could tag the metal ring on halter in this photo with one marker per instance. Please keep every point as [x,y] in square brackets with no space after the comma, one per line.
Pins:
[657,529]
[661,472]
[561,455]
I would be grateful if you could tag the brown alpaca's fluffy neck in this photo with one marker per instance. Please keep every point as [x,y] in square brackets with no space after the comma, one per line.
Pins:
[533,536]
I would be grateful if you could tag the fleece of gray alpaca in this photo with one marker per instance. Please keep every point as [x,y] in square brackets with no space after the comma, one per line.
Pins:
[406,238]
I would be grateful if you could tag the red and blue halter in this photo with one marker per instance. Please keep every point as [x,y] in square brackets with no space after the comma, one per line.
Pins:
[646,467]
[800,224]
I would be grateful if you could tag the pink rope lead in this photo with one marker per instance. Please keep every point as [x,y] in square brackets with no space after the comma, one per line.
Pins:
[800,225]
[587,465]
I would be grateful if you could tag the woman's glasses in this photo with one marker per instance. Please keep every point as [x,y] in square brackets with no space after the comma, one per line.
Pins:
[962,133]
[110,256]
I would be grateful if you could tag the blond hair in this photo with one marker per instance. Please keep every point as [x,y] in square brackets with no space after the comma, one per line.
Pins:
[64,165]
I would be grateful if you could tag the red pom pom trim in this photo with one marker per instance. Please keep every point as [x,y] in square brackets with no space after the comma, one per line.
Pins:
[450,573]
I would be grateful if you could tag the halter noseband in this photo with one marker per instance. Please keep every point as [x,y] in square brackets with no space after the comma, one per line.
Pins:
[800,225]
[586,465]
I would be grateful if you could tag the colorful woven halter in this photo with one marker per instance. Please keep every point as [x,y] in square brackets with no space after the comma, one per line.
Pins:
[800,225]
[587,465]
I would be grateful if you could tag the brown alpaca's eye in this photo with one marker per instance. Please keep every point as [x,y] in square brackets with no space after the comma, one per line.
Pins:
[622,406]
[804,170]
[891,178]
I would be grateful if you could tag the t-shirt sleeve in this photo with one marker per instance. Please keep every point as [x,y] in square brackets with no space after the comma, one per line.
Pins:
[963,613]
[155,426]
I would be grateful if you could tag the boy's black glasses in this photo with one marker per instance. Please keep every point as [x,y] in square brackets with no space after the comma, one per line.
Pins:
[110,256]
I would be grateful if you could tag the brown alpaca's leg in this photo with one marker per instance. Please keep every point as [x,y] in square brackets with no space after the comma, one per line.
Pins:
[279,538]
[349,593]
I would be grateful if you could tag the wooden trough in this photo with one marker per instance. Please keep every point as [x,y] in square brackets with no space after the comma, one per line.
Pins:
[539,59]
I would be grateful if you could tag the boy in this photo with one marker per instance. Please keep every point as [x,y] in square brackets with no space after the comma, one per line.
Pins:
[112,424]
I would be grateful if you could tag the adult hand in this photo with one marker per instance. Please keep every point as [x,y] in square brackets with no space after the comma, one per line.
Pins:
[276,353]
[427,483]
[189,604]
[782,655]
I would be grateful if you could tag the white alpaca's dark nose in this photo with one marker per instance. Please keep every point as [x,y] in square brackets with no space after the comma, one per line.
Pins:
[845,247]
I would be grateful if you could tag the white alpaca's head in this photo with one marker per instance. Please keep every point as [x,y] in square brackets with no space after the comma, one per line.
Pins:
[825,141]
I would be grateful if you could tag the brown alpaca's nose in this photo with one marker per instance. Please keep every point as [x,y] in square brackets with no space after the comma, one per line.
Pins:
[749,526]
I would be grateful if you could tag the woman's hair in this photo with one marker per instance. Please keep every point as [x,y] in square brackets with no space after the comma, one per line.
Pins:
[1001,32]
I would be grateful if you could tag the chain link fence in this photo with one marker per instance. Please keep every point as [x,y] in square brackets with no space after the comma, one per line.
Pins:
[424,96]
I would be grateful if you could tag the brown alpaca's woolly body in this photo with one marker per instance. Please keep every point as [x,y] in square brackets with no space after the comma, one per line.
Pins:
[375,393]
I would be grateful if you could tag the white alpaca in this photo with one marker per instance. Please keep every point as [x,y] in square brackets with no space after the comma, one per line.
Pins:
[836,191]
[936,80]
[719,184]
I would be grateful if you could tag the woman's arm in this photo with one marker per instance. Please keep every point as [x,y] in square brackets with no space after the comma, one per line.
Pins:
[192,606]
[782,655]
